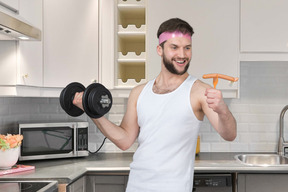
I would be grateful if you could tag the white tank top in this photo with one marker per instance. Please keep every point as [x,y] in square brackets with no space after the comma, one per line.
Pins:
[164,160]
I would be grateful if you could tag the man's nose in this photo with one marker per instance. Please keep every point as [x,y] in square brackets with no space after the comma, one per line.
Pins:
[181,53]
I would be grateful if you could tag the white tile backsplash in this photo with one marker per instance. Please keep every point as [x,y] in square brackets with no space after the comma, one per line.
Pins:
[263,94]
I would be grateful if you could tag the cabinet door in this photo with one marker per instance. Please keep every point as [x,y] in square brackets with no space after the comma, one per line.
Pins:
[8,62]
[30,53]
[106,183]
[262,182]
[215,43]
[78,186]
[263,27]
[70,42]
[110,183]
[22,60]
[107,42]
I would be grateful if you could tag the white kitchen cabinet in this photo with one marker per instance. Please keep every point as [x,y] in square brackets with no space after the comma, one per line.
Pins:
[21,61]
[215,43]
[122,44]
[8,63]
[107,28]
[30,53]
[12,5]
[70,42]
[262,182]
[263,27]
[264,30]
[130,43]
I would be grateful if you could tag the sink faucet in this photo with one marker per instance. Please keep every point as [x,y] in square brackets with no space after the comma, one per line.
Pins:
[282,145]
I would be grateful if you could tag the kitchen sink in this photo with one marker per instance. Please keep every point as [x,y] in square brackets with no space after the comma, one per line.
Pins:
[262,159]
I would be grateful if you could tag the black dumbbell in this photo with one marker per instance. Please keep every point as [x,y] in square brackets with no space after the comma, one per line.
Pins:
[96,101]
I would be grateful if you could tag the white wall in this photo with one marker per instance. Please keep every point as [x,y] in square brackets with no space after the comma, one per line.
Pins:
[263,89]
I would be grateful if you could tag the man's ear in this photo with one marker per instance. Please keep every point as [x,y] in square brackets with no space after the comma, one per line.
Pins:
[159,50]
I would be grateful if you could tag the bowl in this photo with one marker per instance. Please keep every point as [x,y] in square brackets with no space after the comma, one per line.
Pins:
[9,157]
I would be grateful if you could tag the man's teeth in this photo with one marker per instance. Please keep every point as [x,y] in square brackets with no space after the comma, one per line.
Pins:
[180,62]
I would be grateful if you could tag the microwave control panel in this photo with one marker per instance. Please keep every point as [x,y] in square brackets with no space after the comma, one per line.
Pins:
[82,139]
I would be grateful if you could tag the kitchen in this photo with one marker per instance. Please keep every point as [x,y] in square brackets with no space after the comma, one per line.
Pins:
[261,66]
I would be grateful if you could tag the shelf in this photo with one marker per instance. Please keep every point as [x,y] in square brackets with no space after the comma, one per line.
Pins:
[131,57]
[131,70]
[131,37]
[131,3]
[131,12]
[131,29]
[131,43]
[263,56]
[130,83]
[29,91]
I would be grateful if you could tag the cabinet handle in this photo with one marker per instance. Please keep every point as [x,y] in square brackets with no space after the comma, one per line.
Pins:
[93,81]
[25,76]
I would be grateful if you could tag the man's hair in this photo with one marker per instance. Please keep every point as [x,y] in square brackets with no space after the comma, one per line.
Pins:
[175,24]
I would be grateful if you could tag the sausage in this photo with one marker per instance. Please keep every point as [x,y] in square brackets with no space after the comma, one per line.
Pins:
[215,77]
[221,76]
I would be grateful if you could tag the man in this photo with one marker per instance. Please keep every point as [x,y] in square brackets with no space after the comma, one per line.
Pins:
[165,115]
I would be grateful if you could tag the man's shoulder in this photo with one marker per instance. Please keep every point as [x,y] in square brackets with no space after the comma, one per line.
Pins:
[135,92]
[199,86]
[139,87]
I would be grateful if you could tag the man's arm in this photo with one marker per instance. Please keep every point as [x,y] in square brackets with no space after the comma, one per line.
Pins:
[219,114]
[122,136]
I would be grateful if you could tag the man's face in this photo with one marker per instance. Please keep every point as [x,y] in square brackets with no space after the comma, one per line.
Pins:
[176,55]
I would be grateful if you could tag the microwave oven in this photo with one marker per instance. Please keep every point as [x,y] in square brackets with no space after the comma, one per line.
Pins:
[53,140]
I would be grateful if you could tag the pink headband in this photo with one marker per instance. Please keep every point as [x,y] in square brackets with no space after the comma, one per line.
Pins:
[168,35]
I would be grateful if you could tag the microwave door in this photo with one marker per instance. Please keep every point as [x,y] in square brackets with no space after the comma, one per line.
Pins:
[52,141]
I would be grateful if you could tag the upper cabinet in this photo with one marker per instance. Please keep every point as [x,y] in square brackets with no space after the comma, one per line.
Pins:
[263,30]
[122,44]
[131,31]
[8,65]
[215,43]
[68,50]
[21,61]
[30,53]
[70,42]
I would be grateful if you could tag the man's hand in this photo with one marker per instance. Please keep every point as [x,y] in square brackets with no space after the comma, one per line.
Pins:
[77,101]
[215,100]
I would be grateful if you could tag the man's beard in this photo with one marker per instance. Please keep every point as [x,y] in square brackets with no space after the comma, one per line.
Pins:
[170,67]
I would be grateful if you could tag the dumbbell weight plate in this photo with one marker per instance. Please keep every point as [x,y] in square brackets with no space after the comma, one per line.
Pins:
[66,99]
[97,100]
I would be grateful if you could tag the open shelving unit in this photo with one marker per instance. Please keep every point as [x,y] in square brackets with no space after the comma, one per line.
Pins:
[131,33]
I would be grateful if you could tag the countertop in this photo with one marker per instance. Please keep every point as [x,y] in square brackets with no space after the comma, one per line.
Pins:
[66,171]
